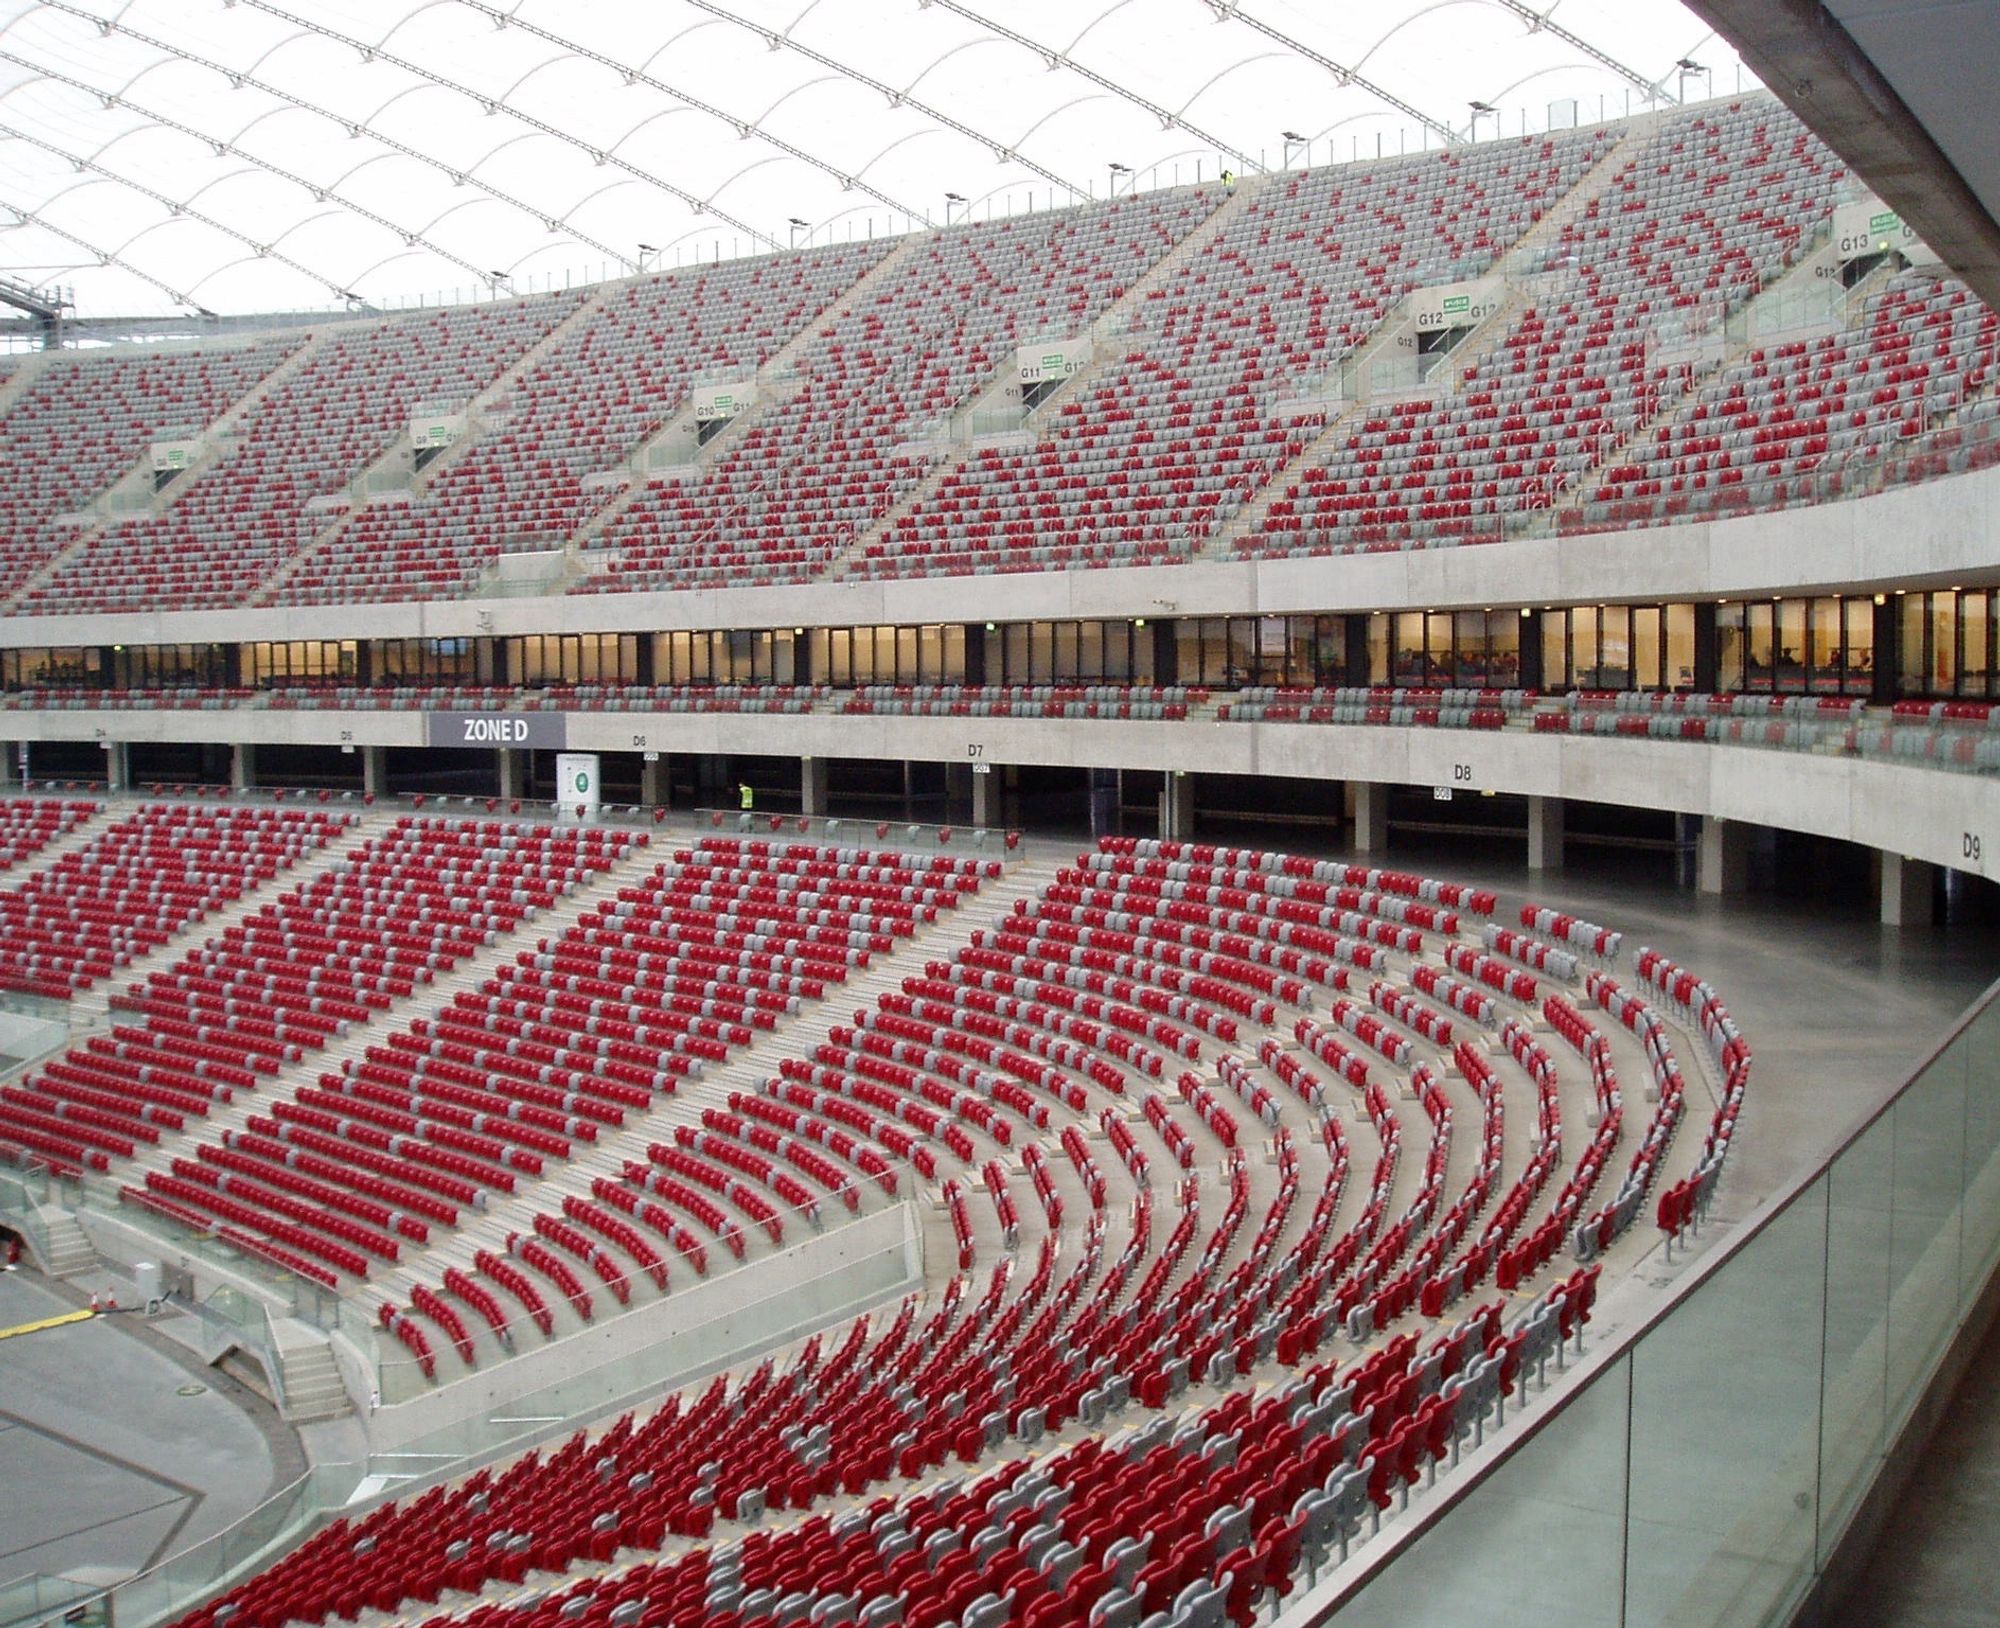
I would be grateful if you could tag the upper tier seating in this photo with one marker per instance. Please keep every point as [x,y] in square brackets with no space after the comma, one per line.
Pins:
[819,463]
[1239,406]
[251,511]
[1182,427]
[141,881]
[87,420]
[1924,345]
[1711,208]
[583,408]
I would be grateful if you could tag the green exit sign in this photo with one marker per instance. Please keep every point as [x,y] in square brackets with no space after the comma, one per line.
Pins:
[1884,222]
[1457,303]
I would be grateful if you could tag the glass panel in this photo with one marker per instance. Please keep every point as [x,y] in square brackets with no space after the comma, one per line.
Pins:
[1854,1389]
[1646,649]
[1583,648]
[1929,1125]
[1974,633]
[1470,632]
[1824,651]
[1242,659]
[1912,662]
[1017,665]
[1860,664]
[1555,650]
[1789,671]
[1730,648]
[1725,1435]
[1378,648]
[1944,642]
[1614,647]
[951,655]
[1760,632]
[1539,1541]
[1981,1227]
[1408,665]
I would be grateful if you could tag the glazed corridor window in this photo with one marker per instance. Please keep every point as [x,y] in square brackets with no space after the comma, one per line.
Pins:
[1072,653]
[301,662]
[541,659]
[1618,647]
[1230,651]
[1946,642]
[1472,650]
[1823,646]
[843,656]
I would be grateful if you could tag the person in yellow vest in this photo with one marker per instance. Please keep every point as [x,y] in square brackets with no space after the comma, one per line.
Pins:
[745,797]
[1229,178]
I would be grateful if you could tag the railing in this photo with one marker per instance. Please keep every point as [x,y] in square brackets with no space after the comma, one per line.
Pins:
[1704,1466]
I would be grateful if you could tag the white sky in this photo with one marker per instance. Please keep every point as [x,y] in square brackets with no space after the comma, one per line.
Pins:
[548,139]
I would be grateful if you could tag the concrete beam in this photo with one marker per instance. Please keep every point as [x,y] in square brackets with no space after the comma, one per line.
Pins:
[1816,68]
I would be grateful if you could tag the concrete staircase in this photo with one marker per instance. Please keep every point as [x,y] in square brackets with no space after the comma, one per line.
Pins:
[1478,343]
[52,854]
[1519,260]
[21,378]
[1740,334]
[308,1378]
[70,1251]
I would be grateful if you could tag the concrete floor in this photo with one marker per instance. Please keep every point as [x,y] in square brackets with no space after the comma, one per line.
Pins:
[117,1448]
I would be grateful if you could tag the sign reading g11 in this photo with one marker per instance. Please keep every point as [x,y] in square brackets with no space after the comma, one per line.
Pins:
[538,731]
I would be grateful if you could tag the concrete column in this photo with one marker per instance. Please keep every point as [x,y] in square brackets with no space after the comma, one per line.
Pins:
[957,793]
[1722,856]
[1177,805]
[989,784]
[1545,833]
[814,778]
[10,764]
[1907,891]
[117,765]
[654,781]
[1371,816]
[513,772]
[243,765]
[375,770]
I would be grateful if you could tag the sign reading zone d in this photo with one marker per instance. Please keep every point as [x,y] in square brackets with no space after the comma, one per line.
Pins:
[486,731]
